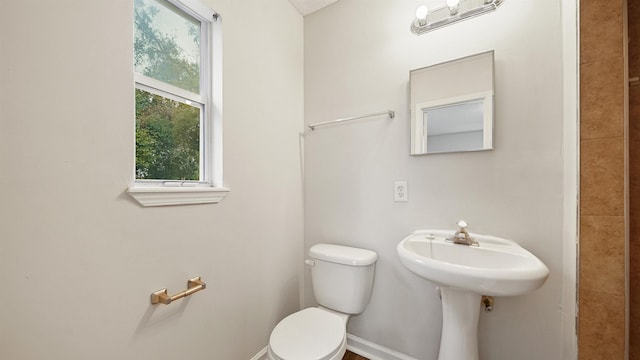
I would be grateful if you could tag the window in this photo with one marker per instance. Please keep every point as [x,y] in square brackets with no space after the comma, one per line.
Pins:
[177,71]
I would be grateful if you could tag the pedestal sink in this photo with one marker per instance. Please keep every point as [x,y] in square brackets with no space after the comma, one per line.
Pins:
[491,266]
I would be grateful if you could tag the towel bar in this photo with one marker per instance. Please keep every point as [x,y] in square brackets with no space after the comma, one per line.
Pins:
[391,114]
[193,286]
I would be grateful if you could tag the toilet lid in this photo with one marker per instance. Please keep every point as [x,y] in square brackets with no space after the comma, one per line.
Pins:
[311,334]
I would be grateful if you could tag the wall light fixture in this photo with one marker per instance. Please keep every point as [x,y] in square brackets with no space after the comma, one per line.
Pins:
[450,12]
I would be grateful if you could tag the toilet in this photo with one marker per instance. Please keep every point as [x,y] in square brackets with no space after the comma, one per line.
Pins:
[342,279]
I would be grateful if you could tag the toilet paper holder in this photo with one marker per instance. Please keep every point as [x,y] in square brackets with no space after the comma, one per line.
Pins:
[193,286]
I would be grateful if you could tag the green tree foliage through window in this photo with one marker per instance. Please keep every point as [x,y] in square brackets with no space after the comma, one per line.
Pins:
[168,132]
[167,138]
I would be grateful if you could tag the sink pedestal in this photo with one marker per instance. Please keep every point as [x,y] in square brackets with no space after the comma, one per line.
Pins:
[460,313]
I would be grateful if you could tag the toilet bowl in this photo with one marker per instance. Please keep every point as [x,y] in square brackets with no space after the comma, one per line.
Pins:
[342,279]
[312,333]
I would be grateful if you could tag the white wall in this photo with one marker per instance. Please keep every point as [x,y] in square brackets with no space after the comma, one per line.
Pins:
[358,54]
[570,151]
[78,257]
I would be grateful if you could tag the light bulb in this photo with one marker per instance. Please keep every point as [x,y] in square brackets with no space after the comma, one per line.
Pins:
[422,11]
[421,14]
[453,6]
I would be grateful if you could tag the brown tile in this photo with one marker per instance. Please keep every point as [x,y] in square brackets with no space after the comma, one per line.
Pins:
[601,326]
[634,150]
[634,181]
[634,189]
[634,289]
[602,177]
[601,322]
[634,297]
[634,105]
[633,12]
[600,30]
[634,279]
[634,349]
[602,99]
[634,232]
[602,247]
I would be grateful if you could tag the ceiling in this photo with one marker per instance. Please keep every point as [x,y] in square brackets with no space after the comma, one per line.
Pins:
[306,7]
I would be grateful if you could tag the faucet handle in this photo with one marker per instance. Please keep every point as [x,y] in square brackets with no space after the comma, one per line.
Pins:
[462,225]
[462,236]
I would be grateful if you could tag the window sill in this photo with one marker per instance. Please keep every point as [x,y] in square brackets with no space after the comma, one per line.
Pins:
[166,196]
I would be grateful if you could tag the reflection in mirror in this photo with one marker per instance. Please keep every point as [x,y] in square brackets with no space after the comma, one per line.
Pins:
[457,124]
[446,123]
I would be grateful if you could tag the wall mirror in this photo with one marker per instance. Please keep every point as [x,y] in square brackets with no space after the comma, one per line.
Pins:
[452,106]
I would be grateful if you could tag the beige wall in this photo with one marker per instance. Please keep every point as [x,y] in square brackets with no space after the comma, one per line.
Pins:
[79,257]
[358,54]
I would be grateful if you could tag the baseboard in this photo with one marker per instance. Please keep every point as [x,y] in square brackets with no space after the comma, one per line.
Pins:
[361,347]
[373,351]
[262,355]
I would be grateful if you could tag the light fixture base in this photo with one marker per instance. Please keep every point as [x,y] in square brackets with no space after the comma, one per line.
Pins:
[444,15]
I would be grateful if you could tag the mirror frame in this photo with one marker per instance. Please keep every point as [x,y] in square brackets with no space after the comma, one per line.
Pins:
[418,144]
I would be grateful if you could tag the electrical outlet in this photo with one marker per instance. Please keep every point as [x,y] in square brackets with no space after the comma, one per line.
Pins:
[400,191]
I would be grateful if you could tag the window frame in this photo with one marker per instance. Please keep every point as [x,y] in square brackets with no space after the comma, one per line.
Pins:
[209,188]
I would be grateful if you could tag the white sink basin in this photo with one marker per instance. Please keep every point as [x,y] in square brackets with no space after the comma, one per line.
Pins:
[494,267]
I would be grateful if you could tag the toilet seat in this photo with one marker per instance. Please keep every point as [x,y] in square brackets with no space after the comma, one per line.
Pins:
[309,334]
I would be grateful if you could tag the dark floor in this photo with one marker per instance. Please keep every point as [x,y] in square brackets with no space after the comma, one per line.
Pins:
[351,356]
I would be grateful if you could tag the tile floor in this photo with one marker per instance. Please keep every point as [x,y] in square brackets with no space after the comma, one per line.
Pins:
[351,356]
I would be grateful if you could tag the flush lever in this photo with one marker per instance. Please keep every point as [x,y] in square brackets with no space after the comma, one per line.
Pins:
[310,262]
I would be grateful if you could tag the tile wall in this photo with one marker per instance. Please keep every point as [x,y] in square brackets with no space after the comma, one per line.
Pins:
[601,331]
[633,12]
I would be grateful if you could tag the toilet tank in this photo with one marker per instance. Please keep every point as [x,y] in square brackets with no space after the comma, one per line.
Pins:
[342,277]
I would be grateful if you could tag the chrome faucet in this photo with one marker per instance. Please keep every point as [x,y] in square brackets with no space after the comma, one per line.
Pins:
[461,236]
